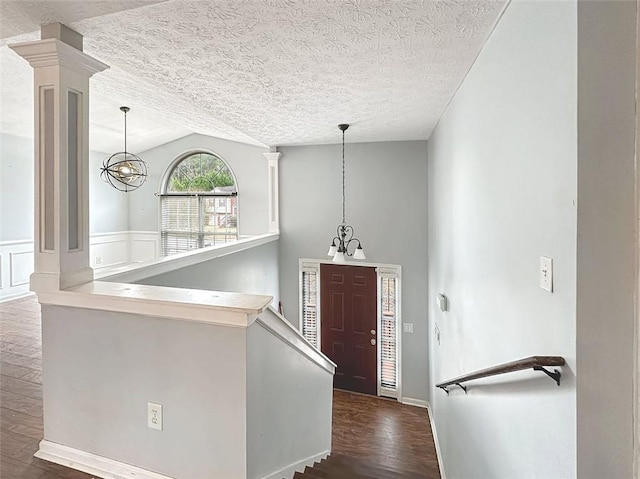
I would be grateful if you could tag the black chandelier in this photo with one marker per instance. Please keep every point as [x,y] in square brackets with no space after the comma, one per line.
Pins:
[339,248]
[123,170]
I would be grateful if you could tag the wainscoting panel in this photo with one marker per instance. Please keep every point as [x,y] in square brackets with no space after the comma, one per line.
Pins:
[16,265]
[106,250]
[145,246]
[109,249]
[20,267]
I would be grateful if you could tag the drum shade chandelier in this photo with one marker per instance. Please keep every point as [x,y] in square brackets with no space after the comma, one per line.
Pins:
[123,170]
[339,248]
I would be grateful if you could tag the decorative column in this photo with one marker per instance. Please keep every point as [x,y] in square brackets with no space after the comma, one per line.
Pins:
[61,138]
[274,207]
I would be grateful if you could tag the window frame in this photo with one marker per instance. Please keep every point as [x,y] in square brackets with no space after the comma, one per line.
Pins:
[164,186]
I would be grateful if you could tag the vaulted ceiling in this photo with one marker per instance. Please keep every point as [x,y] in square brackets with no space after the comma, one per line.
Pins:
[265,72]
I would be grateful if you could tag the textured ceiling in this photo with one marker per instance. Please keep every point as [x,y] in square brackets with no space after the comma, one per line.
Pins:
[270,72]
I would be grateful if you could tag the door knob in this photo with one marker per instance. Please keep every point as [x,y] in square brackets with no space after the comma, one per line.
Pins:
[373,342]
[373,332]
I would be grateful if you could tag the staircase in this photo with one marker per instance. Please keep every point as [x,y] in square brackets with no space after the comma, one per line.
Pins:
[339,466]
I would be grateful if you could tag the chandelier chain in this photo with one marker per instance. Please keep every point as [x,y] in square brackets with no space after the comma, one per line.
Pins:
[125,134]
[344,221]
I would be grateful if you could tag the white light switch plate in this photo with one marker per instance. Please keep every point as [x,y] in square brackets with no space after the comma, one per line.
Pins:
[546,273]
[407,327]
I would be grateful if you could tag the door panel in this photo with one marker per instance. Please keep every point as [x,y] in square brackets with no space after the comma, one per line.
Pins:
[337,311]
[349,314]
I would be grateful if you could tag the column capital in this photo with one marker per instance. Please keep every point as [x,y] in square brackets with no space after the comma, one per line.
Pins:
[53,52]
[272,155]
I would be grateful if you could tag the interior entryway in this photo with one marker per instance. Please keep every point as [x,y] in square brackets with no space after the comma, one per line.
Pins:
[348,301]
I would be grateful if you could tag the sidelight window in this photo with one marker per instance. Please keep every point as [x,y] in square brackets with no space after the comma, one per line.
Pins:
[388,333]
[309,306]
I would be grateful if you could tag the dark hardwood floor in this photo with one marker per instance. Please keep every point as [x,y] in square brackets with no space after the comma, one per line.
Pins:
[378,438]
[372,437]
[21,395]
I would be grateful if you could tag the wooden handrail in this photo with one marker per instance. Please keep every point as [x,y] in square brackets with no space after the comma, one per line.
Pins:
[537,363]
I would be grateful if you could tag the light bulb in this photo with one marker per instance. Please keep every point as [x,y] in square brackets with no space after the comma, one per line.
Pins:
[128,172]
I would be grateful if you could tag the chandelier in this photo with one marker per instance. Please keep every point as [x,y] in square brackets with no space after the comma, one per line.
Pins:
[339,248]
[123,170]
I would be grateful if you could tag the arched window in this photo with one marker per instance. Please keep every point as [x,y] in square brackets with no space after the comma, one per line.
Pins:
[199,204]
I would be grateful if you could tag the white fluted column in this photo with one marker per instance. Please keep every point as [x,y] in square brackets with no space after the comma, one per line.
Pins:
[61,138]
[274,205]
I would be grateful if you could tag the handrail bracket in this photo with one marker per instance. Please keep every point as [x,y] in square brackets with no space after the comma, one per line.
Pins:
[464,388]
[555,375]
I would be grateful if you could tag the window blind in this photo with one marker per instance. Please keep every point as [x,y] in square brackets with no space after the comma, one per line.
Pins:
[388,334]
[309,307]
[190,222]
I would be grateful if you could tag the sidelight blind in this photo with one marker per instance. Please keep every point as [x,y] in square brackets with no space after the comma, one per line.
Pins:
[310,306]
[388,334]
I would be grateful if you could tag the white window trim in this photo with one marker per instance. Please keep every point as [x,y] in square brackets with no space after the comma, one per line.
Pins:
[382,271]
[164,179]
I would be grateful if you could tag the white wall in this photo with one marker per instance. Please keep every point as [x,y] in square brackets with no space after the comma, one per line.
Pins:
[502,193]
[386,187]
[247,163]
[103,368]
[251,271]
[607,239]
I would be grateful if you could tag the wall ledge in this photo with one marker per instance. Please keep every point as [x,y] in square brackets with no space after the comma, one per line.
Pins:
[212,307]
[139,271]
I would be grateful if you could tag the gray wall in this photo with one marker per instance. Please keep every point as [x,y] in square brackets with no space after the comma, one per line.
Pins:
[108,207]
[102,369]
[16,188]
[387,206]
[247,163]
[252,271]
[607,241]
[502,193]
[289,402]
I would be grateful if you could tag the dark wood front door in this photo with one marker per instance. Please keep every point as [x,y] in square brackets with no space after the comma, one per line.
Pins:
[348,325]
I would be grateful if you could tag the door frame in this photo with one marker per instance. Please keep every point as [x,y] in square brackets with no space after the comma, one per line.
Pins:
[382,271]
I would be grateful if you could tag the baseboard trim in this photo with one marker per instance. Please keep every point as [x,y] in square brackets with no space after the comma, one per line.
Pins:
[436,442]
[291,469]
[11,297]
[415,402]
[91,463]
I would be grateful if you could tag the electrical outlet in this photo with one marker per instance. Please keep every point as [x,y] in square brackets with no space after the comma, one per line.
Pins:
[154,416]
[546,273]
[98,259]
[407,327]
